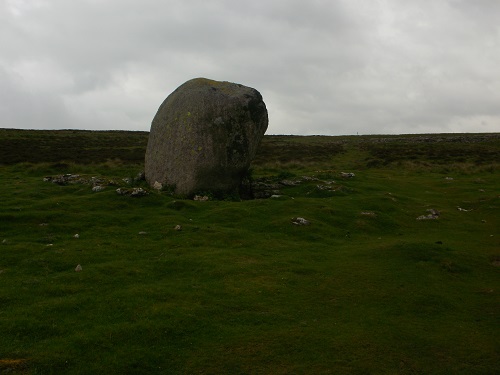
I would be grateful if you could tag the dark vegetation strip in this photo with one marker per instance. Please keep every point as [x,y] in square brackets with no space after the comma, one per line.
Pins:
[90,147]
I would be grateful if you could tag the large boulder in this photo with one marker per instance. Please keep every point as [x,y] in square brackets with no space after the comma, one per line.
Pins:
[204,136]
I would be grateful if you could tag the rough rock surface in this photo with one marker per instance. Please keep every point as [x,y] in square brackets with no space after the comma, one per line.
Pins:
[204,136]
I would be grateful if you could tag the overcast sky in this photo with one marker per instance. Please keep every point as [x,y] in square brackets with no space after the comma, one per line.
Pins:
[322,66]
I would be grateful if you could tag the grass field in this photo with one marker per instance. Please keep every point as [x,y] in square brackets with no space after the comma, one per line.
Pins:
[366,288]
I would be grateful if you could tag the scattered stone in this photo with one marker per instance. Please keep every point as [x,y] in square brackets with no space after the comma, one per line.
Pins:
[433,215]
[142,233]
[204,136]
[97,188]
[67,179]
[289,183]
[63,179]
[49,244]
[463,209]
[138,192]
[275,196]
[449,178]
[262,189]
[128,180]
[76,236]
[4,241]
[300,221]
[157,185]
[134,192]
[94,181]
[309,178]
[178,227]
[78,268]
[201,198]
[347,174]
[324,187]
[368,213]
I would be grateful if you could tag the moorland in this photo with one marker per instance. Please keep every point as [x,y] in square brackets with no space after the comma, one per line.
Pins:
[397,271]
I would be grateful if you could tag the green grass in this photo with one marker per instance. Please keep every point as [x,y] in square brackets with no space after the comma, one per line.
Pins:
[240,289]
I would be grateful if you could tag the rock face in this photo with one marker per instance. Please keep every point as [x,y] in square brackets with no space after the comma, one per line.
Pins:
[204,136]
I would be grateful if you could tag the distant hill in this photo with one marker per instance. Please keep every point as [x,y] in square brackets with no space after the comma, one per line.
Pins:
[89,147]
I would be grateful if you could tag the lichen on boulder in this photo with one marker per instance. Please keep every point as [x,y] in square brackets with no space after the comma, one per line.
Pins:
[204,136]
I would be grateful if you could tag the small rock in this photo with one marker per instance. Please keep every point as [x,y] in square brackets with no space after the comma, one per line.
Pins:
[368,213]
[138,192]
[309,178]
[324,187]
[347,174]
[201,198]
[135,192]
[178,227]
[289,183]
[97,188]
[76,236]
[275,196]
[4,241]
[449,178]
[300,221]
[463,209]
[78,268]
[50,244]
[143,233]
[157,185]
[434,214]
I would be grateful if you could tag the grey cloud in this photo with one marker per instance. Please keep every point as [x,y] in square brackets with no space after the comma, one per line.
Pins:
[20,108]
[323,67]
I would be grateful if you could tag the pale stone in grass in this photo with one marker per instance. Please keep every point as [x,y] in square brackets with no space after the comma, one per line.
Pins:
[433,215]
[347,174]
[300,221]
[134,192]
[157,186]
[201,198]
[178,227]
[76,236]
[78,268]
[204,136]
